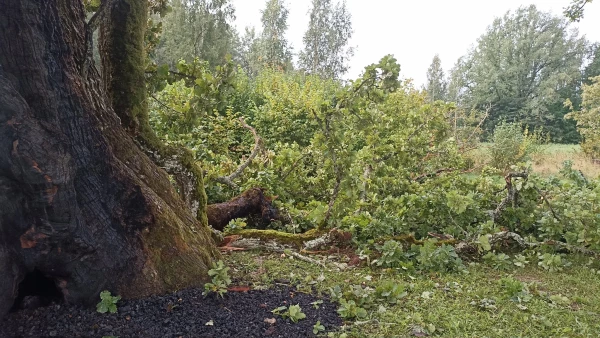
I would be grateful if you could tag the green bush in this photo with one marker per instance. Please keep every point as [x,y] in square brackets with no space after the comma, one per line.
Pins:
[512,144]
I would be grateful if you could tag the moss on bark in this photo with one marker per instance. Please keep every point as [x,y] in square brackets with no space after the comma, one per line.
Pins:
[123,61]
[123,70]
[177,250]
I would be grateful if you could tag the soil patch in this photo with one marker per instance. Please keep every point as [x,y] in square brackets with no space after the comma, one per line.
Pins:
[184,313]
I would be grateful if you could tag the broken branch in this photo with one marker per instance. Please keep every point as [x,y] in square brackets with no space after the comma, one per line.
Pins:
[228,180]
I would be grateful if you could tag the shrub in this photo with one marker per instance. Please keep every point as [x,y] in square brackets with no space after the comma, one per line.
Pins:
[512,144]
[441,258]
[587,118]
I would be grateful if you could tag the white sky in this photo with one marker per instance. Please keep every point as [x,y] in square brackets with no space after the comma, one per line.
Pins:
[414,31]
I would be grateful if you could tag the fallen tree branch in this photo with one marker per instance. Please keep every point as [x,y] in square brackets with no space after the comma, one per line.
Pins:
[251,202]
[164,105]
[506,239]
[304,258]
[548,204]
[228,180]
[422,177]
[511,195]
[487,113]
[249,243]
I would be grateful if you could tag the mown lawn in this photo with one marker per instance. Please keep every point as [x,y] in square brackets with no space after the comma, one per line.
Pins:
[473,304]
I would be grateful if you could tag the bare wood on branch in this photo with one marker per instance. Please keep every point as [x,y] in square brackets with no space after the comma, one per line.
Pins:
[228,180]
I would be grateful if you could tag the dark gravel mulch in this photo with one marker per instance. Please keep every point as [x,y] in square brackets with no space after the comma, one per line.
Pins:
[181,314]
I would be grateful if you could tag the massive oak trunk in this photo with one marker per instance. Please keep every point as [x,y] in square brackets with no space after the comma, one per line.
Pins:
[80,203]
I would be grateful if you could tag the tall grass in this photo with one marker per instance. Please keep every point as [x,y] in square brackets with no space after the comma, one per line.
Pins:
[548,161]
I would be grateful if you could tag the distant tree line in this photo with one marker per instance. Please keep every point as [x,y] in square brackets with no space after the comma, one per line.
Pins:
[522,69]
[204,29]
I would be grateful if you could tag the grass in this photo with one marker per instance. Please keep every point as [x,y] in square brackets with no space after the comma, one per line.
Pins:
[550,160]
[448,302]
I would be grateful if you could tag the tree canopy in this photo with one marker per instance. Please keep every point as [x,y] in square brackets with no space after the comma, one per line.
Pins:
[522,67]
[274,49]
[436,86]
[197,29]
[326,50]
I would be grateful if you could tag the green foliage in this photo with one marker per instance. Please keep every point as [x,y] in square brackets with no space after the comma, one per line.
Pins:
[499,261]
[457,202]
[273,49]
[220,279]
[372,157]
[516,291]
[108,303]
[520,261]
[325,41]
[518,71]
[436,86]
[551,262]
[318,327]
[575,10]
[234,225]
[511,286]
[573,213]
[390,292]
[588,121]
[511,145]
[440,258]
[294,312]
[197,29]
[392,255]
[349,310]
[355,300]
[593,68]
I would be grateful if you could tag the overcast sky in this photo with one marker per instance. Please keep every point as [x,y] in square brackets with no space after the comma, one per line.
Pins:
[414,31]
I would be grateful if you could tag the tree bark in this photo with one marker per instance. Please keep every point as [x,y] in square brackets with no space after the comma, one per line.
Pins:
[251,202]
[122,54]
[80,202]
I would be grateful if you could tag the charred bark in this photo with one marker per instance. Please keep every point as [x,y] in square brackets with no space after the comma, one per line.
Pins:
[80,202]
[123,60]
